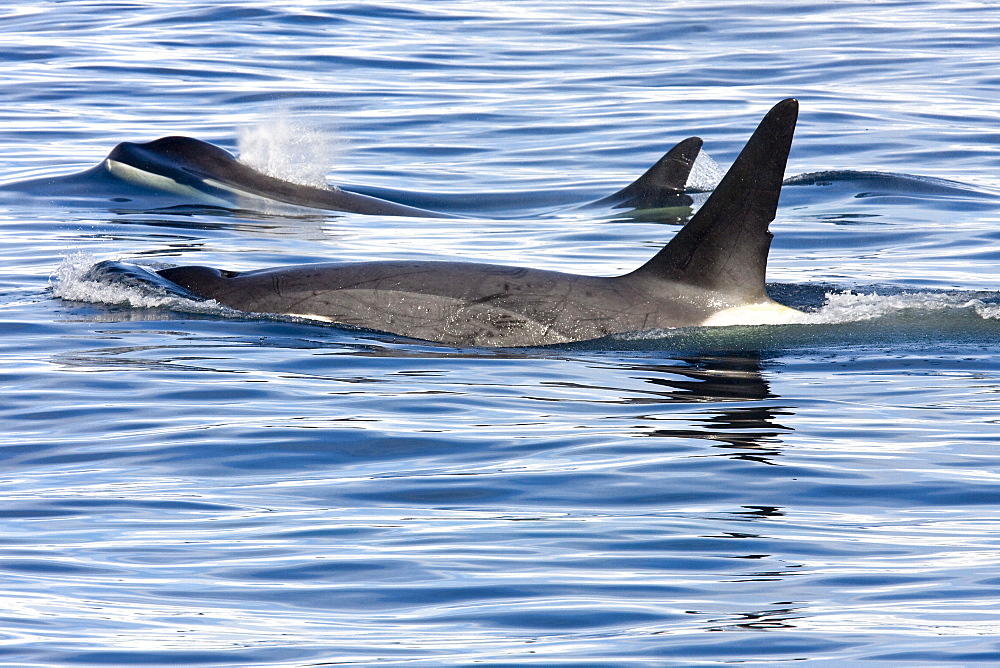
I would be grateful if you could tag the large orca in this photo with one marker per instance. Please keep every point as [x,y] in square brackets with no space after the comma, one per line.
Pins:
[199,173]
[711,273]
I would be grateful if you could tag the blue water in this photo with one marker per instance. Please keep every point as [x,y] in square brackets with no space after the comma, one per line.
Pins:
[200,488]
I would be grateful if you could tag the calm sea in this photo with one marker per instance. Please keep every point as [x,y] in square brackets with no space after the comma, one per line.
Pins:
[199,488]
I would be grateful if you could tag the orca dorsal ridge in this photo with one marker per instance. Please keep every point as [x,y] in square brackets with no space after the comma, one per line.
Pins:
[660,184]
[724,247]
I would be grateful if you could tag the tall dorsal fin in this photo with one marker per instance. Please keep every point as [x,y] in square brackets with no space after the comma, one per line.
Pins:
[724,246]
[661,182]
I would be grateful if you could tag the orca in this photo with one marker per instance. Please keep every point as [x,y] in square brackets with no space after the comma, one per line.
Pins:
[200,173]
[189,166]
[710,273]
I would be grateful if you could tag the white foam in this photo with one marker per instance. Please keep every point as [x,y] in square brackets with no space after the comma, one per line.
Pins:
[289,149]
[849,306]
[72,281]
[987,311]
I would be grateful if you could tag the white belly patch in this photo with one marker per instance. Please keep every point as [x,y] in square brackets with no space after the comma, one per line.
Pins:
[157,182]
[763,313]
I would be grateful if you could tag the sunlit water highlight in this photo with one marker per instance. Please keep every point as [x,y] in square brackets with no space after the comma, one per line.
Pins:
[188,485]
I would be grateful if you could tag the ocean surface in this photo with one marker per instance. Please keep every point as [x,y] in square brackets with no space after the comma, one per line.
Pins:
[190,486]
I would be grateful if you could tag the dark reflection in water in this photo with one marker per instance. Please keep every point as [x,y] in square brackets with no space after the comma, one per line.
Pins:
[759,512]
[762,620]
[711,377]
[769,619]
[735,386]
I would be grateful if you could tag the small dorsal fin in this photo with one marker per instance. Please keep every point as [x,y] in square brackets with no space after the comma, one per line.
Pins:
[724,246]
[661,183]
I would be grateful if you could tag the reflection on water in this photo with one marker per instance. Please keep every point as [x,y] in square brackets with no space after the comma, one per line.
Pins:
[759,512]
[713,377]
[207,488]
[763,620]
[722,379]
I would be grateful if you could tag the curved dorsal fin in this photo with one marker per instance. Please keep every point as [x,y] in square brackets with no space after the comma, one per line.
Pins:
[661,183]
[724,246]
